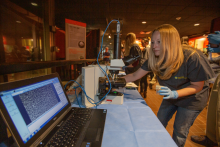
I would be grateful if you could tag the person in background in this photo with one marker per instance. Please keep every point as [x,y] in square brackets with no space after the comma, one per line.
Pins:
[106,56]
[122,52]
[182,75]
[132,50]
[212,137]
[185,40]
[146,47]
[145,44]
[143,81]
[23,54]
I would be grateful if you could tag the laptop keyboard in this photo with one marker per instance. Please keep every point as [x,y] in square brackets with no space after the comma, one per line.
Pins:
[72,129]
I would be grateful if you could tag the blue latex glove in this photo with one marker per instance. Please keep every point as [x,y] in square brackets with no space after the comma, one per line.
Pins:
[213,50]
[167,93]
[214,38]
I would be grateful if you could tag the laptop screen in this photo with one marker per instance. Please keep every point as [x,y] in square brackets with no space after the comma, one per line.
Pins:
[33,106]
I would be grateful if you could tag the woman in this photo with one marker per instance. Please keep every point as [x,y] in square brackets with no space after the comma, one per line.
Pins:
[132,50]
[183,75]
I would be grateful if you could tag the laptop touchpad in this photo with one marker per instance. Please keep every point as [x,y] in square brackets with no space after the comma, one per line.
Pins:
[93,134]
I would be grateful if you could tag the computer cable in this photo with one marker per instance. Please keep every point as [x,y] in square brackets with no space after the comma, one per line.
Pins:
[118,31]
[77,96]
[88,98]
[75,92]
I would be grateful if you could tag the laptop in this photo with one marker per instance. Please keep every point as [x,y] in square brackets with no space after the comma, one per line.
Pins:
[38,113]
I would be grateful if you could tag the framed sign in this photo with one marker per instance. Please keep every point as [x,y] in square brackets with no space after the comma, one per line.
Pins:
[75,39]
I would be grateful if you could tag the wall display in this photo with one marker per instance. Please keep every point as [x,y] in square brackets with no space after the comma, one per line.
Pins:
[199,43]
[75,39]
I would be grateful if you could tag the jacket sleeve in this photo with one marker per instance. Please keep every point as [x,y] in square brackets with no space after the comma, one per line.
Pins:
[135,51]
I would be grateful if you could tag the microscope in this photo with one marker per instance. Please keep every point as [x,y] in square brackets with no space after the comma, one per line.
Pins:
[113,96]
[116,65]
[96,84]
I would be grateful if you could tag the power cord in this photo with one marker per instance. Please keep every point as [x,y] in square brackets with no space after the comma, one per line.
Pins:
[76,96]
[75,91]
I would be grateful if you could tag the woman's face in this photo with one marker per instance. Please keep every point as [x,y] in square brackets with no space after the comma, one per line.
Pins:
[155,42]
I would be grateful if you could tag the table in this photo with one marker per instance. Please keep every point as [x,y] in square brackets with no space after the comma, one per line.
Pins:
[133,124]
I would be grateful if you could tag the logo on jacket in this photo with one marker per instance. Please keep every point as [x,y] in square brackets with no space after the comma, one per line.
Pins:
[182,77]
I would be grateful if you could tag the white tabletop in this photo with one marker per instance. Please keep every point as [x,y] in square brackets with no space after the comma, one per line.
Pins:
[133,124]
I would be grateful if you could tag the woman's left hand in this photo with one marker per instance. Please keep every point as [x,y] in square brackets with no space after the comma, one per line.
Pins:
[167,93]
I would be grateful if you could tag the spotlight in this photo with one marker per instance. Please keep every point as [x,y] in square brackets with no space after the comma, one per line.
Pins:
[34,4]
[178,18]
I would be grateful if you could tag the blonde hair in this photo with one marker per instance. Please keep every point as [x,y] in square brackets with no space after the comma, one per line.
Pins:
[129,41]
[171,53]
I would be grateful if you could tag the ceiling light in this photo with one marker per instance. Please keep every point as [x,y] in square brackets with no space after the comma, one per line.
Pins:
[109,36]
[178,18]
[144,32]
[18,21]
[144,22]
[34,4]
[110,43]
[196,24]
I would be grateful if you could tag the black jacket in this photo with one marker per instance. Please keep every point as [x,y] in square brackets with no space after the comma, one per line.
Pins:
[134,52]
